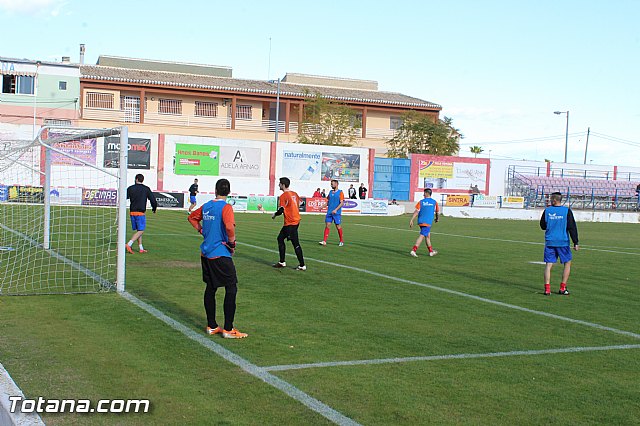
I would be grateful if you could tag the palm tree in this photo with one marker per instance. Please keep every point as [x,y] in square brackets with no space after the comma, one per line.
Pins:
[476,150]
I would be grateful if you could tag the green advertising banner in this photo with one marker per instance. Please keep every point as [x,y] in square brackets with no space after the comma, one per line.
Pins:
[197,160]
[262,203]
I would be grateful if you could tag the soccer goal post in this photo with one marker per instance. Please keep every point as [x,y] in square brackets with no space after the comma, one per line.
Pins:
[63,211]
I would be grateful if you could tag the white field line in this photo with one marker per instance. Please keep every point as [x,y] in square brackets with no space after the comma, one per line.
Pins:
[494,239]
[259,372]
[286,367]
[459,293]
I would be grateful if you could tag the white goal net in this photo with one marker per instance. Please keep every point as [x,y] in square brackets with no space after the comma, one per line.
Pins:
[61,212]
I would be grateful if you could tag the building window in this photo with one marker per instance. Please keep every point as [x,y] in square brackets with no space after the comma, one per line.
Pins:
[62,85]
[395,123]
[170,106]
[18,84]
[132,102]
[243,112]
[206,109]
[99,100]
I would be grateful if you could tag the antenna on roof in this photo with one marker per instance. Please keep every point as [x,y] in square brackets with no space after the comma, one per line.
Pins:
[269,64]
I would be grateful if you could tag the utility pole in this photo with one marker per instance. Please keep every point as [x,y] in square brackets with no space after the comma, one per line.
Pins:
[586,145]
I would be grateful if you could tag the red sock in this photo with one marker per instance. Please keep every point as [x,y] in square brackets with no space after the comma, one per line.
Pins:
[563,286]
[326,233]
[340,234]
[415,248]
[547,288]
[430,249]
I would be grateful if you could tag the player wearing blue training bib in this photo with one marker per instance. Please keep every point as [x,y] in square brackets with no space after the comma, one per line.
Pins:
[335,201]
[558,224]
[427,212]
[216,222]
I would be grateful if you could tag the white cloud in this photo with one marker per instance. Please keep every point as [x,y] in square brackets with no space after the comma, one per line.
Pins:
[32,7]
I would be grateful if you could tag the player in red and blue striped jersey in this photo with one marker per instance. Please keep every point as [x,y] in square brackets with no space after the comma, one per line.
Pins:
[427,212]
[335,201]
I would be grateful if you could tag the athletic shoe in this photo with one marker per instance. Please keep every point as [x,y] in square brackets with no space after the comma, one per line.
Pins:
[280,265]
[413,253]
[547,293]
[216,330]
[143,251]
[233,334]
[129,249]
[433,253]
[301,268]
[340,244]
[565,292]
[322,243]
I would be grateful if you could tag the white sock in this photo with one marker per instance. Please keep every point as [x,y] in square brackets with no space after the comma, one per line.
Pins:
[130,243]
[140,247]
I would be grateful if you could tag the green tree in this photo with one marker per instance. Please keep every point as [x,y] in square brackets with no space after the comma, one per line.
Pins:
[475,150]
[422,134]
[327,123]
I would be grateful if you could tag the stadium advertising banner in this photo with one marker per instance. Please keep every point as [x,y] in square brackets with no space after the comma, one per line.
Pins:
[458,200]
[242,162]
[450,174]
[261,203]
[302,165]
[99,197]
[66,196]
[316,205]
[172,200]
[84,150]
[25,194]
[374,206]
[139,153]
[351,206]
[480,200]
[197,160]
[343,167]
[513,202]
[4,193]
[239,204]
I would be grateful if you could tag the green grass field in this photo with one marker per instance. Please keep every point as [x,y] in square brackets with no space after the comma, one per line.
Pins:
[376,336]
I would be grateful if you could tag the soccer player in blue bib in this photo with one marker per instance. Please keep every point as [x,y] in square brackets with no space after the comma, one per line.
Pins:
[427,212]
[335,201]
[558,224]
[216,222]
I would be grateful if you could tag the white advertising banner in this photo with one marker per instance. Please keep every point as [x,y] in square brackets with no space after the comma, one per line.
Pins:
[513,202]
[374,207]
[243,162]
[480,200]
[301,165]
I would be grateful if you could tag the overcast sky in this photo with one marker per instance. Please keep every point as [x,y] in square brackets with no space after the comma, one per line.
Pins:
[498,68]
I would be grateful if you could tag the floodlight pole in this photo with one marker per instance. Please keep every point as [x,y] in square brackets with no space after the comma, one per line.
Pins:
[566,135]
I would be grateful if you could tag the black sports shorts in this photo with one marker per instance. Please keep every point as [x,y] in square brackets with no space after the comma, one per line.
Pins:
[219,272]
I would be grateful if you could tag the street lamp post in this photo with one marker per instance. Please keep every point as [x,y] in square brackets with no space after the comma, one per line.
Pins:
[566,136]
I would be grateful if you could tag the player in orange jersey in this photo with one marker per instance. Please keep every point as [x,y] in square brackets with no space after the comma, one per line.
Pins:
[289,205]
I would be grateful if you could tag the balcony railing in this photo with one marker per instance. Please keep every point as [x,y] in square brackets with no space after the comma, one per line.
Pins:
[132,116]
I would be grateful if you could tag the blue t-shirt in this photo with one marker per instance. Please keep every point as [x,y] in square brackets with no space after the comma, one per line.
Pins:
[214,230]
[333,200]
[556,234]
